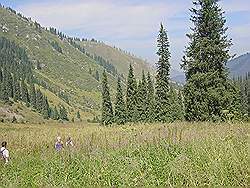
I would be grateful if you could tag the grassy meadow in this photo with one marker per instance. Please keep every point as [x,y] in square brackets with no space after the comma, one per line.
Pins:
[178,154]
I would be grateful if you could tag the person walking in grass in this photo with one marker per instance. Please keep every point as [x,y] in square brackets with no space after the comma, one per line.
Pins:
[58,144]
[4,155]
[69,142]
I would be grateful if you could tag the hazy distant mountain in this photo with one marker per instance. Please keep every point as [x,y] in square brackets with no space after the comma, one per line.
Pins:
[239,65]
[177,76]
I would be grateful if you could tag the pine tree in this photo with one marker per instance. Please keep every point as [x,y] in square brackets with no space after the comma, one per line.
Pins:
[176,106]
[162,110]
[141,99]
[24,93]
[120,108]
[208,91]
[107,110]
[46,109]
[33,95]
[8,82]
[78,115]
[150,100]
[63,114]
[55,114]
[39,101]
[180,106]
[16,89]
[131,98]
[3,93]
[97,77]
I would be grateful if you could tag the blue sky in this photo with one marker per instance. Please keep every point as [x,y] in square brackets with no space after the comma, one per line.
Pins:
[133,24]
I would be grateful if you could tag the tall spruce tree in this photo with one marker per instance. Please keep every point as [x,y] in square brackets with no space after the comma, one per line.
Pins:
[63,114]
[176,104]
[46,108]
[3,93]
[33,95]
[39,101]
[150,100]
[16,89]
[208,91]
[8,82]
[120,108]
[24,93]
[107,110]
[162,107]
[141,99]
[55,114]
[131,98]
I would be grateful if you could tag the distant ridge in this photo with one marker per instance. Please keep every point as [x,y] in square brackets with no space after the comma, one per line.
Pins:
[239,66]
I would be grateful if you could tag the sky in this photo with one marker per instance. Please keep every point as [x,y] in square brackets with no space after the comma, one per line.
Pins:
[133,25]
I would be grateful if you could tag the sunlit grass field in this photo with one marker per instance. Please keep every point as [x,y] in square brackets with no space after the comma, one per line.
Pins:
[178,154]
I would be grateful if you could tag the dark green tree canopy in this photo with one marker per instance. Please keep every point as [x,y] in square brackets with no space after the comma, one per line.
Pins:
[208,90]
[107,109]
[162,110]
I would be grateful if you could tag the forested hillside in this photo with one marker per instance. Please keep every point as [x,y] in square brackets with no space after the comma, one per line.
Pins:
[68,74]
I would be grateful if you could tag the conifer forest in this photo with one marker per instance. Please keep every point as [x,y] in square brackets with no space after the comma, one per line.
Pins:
[169,107]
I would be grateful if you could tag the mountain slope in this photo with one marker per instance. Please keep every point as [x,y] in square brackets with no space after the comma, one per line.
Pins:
[63,69]
[239,66]
[119,58]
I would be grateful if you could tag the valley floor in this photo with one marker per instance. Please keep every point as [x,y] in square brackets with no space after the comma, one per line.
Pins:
[178,154]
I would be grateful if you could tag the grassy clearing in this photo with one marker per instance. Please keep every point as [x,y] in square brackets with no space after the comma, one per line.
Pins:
[179,154]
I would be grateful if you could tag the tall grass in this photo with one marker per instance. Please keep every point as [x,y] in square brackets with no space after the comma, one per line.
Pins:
[180,154]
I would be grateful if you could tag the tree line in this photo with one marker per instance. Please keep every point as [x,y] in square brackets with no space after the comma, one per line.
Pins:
[208,95]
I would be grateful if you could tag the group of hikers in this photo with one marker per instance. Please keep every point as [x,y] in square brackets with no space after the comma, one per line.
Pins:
[59,145]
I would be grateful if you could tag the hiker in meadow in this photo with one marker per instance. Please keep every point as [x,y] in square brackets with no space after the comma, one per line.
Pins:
[58,144]
[69,142]
[4,152]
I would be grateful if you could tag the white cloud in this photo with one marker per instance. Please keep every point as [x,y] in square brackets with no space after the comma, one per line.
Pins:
[130,25]
[104,18]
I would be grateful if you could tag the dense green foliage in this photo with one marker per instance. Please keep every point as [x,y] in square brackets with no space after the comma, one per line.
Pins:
[208,91]
[56,46]
[162,96]
[150,100]
[107,109]
[131,96]
[120,108]
[244,84]
[16,78]
[105,64]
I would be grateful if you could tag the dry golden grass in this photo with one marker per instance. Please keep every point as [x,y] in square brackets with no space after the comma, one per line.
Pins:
[177,154]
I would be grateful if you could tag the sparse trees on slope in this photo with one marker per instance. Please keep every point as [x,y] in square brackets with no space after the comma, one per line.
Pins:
[78,115]
[162,106]
[107,110]
[120,108]
[208,90]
